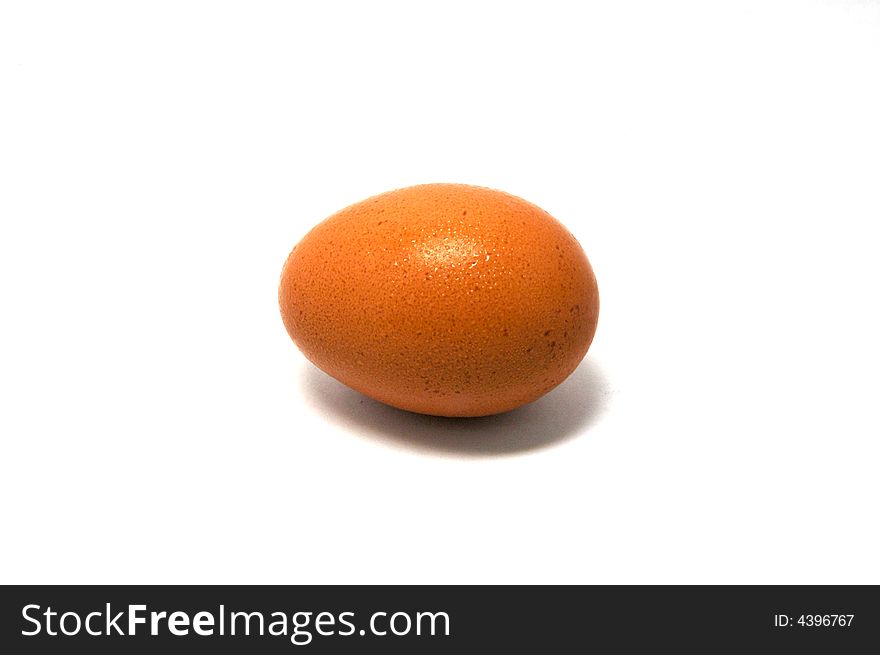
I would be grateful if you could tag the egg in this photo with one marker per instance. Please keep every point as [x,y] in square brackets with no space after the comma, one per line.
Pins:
[442,299]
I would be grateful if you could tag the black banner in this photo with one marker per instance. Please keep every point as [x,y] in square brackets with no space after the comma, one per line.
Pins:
[449,619]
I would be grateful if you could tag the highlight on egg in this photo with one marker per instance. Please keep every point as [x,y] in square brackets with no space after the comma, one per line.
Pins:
[442,299]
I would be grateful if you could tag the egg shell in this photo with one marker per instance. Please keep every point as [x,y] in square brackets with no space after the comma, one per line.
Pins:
[442,299]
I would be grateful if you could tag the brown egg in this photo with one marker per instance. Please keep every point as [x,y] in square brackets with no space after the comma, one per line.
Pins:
[443,299]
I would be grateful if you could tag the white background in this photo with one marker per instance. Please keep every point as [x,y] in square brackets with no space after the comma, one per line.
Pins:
[720,163]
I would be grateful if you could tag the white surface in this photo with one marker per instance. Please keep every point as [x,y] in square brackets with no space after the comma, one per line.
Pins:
[719,163]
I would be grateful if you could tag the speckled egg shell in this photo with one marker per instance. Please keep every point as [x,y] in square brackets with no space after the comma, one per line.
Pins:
[443,299]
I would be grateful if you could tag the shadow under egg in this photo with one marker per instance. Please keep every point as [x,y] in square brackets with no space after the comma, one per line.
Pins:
[563,413]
